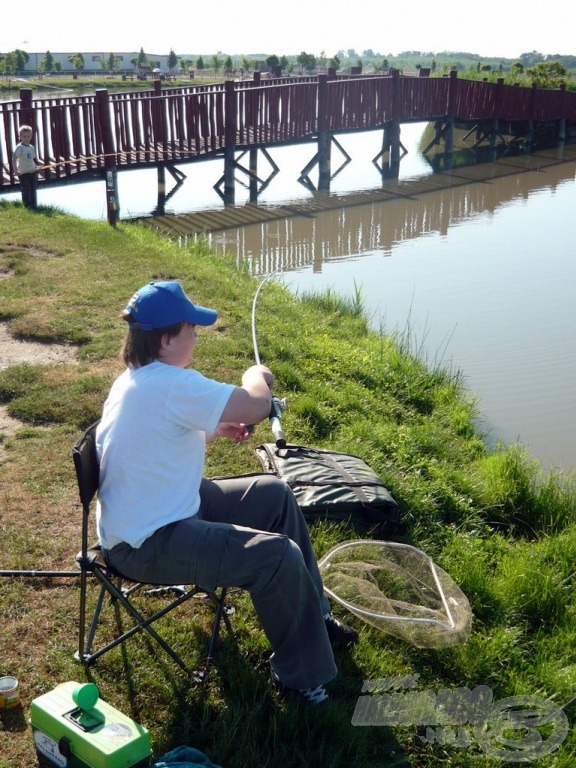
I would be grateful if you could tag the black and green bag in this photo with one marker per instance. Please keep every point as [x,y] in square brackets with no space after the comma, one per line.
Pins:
[332,485]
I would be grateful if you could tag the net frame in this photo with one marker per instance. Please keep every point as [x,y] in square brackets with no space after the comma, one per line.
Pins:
[445,631]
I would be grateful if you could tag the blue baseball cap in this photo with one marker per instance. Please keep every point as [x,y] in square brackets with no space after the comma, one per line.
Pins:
[162,304]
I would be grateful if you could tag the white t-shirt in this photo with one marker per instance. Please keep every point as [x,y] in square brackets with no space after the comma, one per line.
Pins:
[151,447]
[24,155]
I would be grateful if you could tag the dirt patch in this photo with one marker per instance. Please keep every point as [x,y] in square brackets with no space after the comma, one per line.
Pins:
[15,351]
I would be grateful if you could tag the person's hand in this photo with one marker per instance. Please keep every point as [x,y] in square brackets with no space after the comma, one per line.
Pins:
[237,432]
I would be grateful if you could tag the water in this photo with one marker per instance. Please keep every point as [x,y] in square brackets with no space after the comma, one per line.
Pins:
[482,275]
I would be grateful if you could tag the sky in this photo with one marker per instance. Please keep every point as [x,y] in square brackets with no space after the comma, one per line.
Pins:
[283,28]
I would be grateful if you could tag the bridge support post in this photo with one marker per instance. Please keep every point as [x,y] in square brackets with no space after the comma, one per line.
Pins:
[161,199]
[449,137]
[109,147]
[229,141]
[253,168]
[391,146]
[112,202]
[324,160]
[324,138]
[562,121]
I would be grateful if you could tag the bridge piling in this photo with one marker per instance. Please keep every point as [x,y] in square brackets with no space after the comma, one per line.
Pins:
[109,152]
[230,111]
[161,197]
[253,167]
[324,137]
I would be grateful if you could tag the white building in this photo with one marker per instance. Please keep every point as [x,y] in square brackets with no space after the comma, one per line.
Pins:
[93,59]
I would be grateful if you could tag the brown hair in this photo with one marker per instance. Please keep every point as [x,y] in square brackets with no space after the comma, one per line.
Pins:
[143,347]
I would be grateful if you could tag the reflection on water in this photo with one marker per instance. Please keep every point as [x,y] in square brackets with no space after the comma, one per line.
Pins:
[481,270]
[340,227]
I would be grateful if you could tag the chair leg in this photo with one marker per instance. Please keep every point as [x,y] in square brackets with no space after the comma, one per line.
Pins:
[87,656]
[84,653]
[201,676]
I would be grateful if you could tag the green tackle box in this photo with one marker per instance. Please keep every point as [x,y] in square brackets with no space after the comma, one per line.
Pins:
[73,728]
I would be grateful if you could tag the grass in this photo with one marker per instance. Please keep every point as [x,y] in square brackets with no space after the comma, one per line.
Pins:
[11,86]
[503,529]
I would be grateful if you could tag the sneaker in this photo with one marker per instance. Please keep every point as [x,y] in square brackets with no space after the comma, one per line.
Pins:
[318,695]
[339,634]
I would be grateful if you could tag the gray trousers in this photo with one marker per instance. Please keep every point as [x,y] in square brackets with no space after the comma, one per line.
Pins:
[249,533]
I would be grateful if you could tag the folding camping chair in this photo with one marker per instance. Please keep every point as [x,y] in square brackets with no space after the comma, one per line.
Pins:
[114,585]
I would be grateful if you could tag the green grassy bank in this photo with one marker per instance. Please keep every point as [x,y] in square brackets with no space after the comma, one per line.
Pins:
[82,83]
[503,529]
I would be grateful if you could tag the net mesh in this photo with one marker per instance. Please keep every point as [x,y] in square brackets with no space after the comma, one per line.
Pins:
[399,589]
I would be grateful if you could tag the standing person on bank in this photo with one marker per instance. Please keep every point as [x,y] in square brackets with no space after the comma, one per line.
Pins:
[25,166]
[160,520]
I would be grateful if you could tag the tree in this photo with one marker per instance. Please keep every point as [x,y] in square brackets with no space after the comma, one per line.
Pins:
[216,63]
[47,63]
[334,62]
[172,60]
[548,74]
[109,63]
[14,62]
[272,61]
[77,61]
[228,65]
[530,59]
[199,63]
[306,60]
[517,68]
[140,61]
[186,65]
[21,59]
[113,63]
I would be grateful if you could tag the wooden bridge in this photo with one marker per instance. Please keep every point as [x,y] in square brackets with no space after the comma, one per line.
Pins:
[85,137]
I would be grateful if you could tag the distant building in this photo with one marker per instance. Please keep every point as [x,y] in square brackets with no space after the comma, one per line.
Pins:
[92,61]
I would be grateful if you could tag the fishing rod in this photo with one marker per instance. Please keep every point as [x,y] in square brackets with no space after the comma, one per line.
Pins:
[102,155]
[278,405]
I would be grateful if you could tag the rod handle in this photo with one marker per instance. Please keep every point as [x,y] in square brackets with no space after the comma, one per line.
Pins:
[276,427]
[276,410]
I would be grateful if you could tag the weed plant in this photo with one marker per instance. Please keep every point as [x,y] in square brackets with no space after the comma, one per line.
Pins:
[503,529]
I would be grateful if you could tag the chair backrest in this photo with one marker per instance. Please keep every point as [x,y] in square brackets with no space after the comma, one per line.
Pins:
[86,465]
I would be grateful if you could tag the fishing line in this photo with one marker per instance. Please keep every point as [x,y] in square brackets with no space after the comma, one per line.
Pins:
[254,303]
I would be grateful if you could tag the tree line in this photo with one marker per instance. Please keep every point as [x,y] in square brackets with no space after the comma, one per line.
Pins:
[546,70]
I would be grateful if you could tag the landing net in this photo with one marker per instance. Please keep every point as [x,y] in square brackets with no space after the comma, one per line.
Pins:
[398,589]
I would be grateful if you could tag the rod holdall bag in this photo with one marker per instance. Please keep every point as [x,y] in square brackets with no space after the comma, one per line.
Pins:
[331,485]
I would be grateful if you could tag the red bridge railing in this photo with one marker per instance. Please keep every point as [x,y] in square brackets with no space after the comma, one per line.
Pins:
[79,136]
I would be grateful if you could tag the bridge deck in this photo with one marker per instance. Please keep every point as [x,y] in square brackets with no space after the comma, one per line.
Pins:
[79,137]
